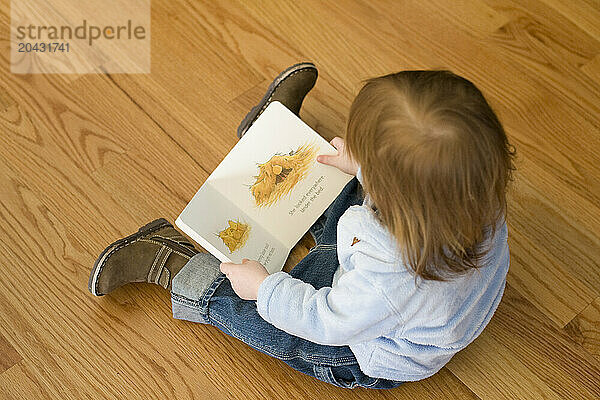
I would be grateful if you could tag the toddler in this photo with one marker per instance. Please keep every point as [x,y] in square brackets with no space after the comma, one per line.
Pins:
[410,260]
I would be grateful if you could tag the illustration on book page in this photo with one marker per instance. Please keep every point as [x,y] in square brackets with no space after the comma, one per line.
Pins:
[278,176]
[235,236]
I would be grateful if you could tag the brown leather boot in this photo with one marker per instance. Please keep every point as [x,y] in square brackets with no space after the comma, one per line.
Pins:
[154,254]
[289,88]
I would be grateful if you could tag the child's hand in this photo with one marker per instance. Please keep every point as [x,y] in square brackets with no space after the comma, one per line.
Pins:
[342,160]
[245,278]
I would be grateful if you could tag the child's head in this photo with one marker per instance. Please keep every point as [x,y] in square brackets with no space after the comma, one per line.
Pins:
[436,163]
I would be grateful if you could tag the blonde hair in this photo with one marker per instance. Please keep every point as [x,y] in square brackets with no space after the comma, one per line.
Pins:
[436,163]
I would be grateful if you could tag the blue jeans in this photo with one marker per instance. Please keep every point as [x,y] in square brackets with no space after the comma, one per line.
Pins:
[213,301]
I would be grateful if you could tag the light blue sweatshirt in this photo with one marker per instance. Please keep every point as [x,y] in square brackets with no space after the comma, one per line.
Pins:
[397,330]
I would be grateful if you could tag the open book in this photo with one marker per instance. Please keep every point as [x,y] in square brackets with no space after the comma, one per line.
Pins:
[266,193]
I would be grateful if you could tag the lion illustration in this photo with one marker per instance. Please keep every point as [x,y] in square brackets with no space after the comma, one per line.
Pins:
[278,176]
[235,236]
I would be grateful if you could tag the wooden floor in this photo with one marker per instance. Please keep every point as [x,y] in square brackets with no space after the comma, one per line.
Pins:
[85,160]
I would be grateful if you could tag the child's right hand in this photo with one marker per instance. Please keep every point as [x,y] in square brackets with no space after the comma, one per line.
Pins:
[341,160]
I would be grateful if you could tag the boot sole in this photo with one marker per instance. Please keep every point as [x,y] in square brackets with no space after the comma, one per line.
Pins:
[266,100]
[144,230]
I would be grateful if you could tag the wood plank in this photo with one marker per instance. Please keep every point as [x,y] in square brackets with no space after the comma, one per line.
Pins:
[592,69]
[67,127]
[60,187]
[473,17]
[56,170]
[8,355]
[554,267]
[546,351]
[159,187]
[204,139]
[203,60]
[583,13]
[20,382]
[511,379]
[541,360]
[585,328]
[364,56]
[60,140]
[203,128]
[549,47]
[250,42]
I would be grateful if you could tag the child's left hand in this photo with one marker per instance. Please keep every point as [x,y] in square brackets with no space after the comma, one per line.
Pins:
[245,278]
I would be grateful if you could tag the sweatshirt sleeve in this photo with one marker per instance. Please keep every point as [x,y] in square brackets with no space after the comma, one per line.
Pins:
[352,311]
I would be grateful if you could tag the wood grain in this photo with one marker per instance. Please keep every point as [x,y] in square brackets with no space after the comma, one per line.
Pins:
[521,344]
[592,69]
[511,379]
[21,380]
[584,13]
[585,328]
[87,159]
[549,45]
[561,363]
[8,355]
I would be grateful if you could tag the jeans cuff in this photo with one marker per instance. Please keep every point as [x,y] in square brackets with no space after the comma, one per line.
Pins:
[193,287]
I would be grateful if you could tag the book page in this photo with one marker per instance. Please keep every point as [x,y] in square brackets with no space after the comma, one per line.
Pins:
[228,233]
[273,176]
